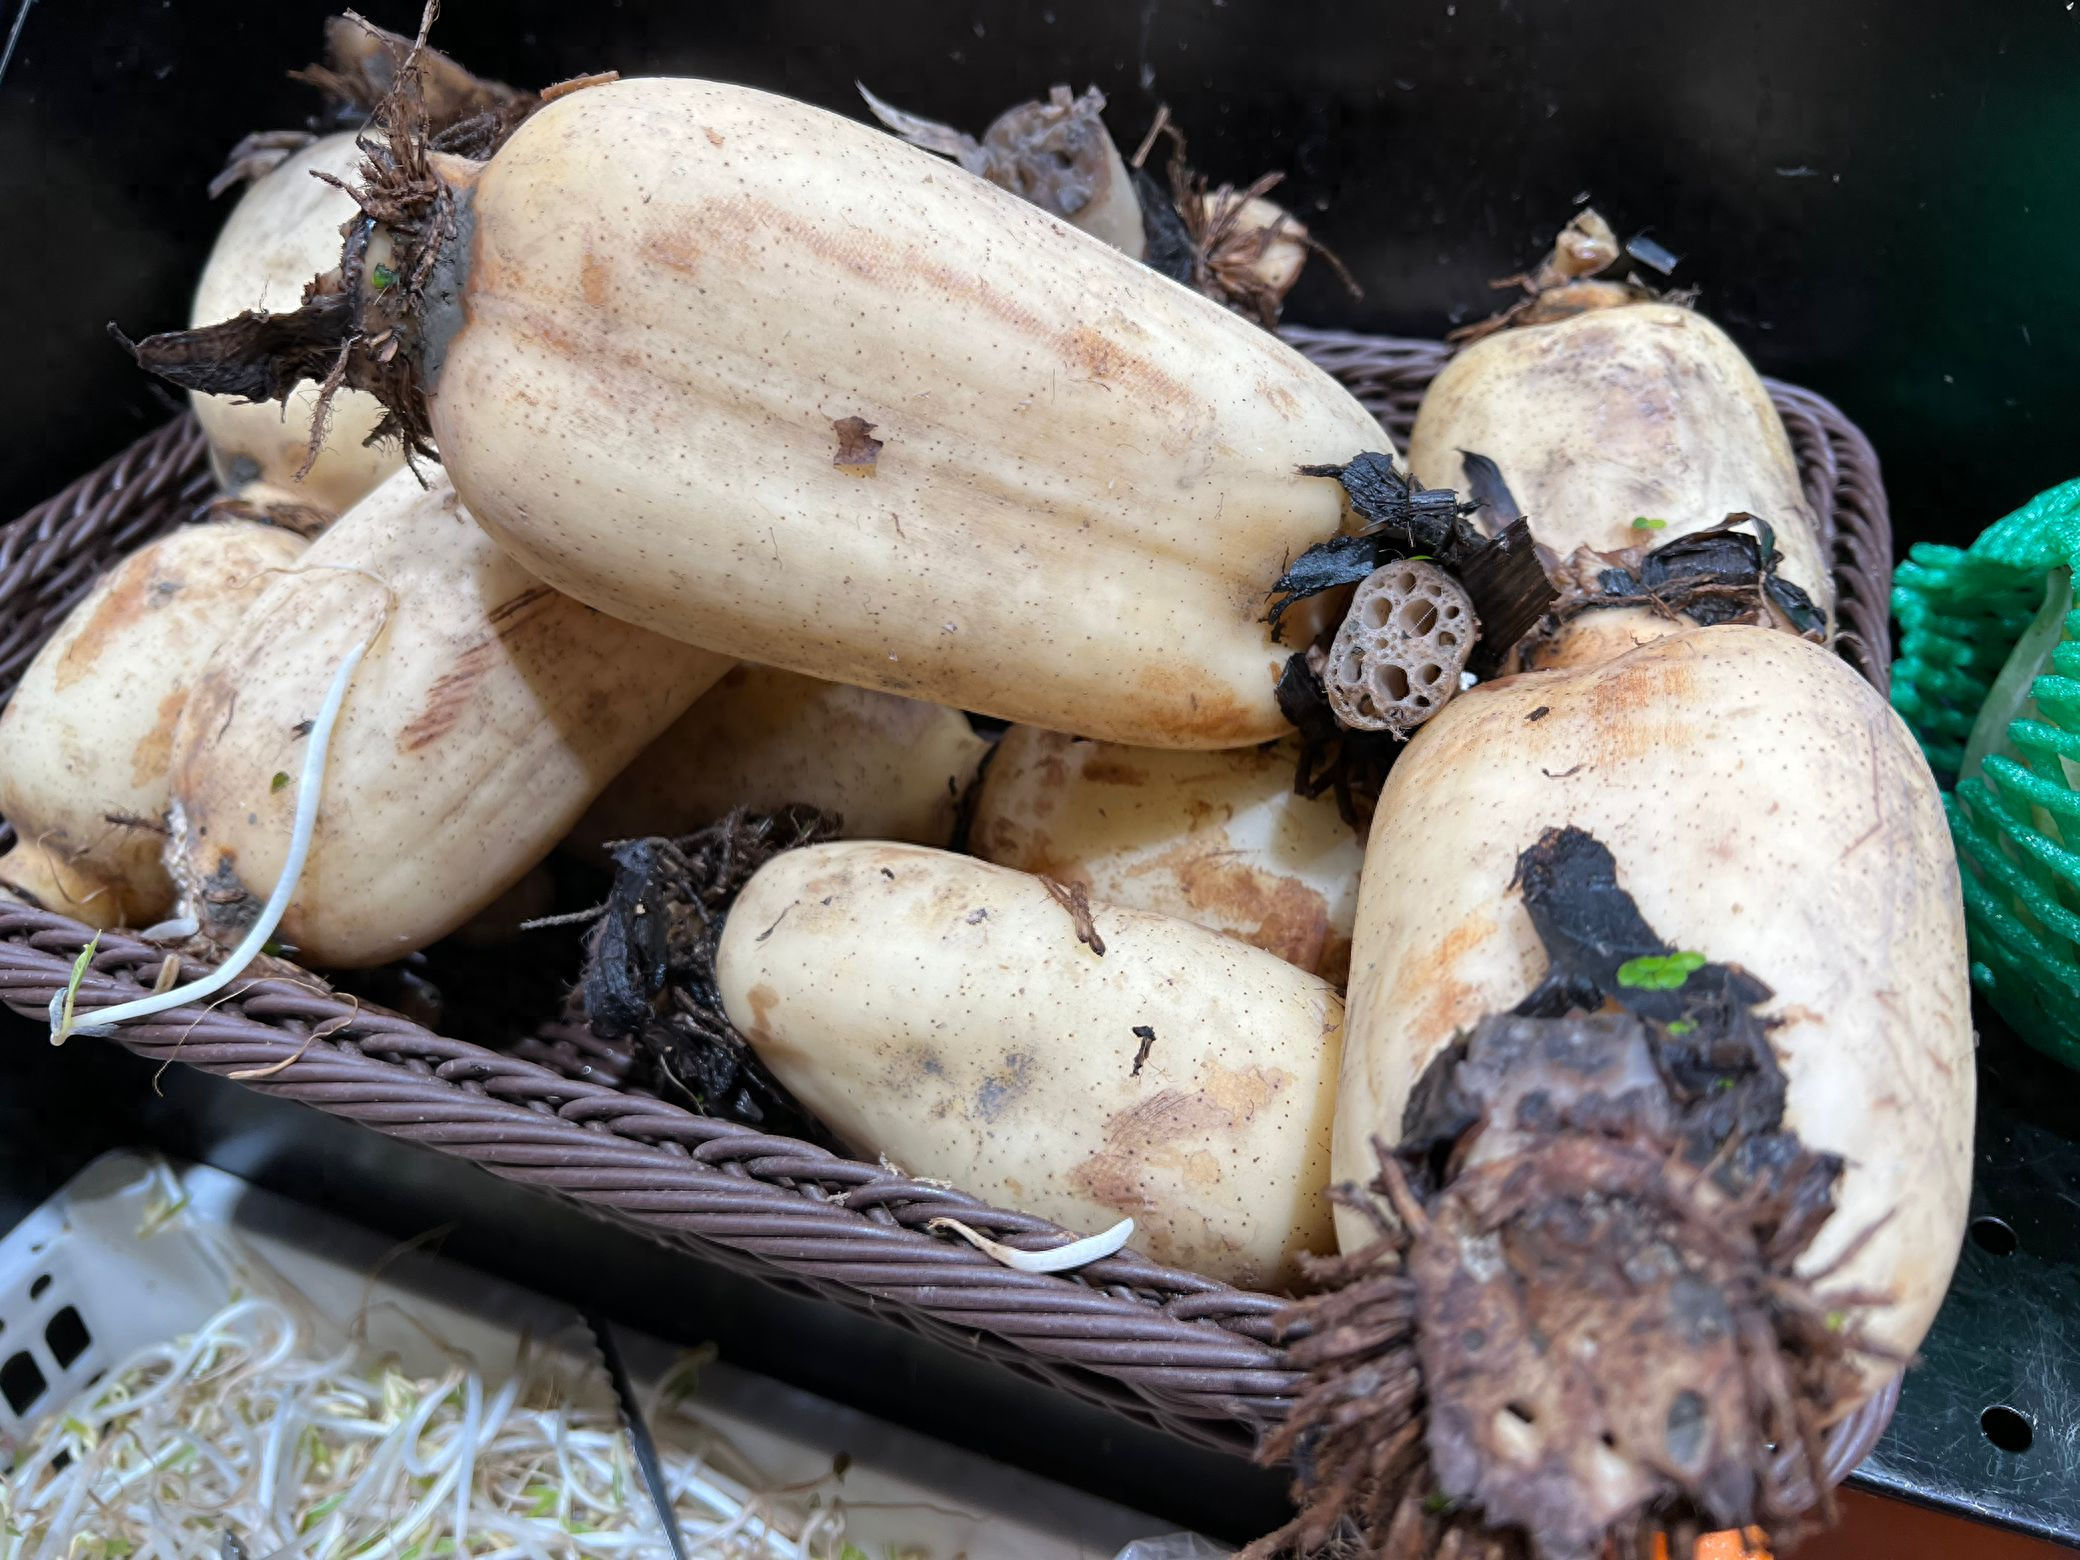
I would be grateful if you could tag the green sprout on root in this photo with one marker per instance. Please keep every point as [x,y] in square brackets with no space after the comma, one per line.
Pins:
[1659,971]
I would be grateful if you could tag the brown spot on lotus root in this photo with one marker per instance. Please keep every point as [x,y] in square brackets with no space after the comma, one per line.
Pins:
[763,1000]
[1396,660]
[858,449]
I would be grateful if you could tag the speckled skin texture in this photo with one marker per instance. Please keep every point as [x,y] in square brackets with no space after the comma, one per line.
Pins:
[1218,839]
[1767,809]
[1641,411]
[283,232]
[941,1011]
[1087,477]
[891,768]
[89,732]
[484,718]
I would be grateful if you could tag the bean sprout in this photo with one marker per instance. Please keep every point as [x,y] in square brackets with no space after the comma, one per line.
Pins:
[304,1453]
[104,1020]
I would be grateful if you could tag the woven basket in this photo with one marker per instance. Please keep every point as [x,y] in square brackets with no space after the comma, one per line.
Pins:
[1166,1347]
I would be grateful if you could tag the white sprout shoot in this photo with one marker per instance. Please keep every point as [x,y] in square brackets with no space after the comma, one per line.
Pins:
[307,1452]
[1055,1259]
[104,1020]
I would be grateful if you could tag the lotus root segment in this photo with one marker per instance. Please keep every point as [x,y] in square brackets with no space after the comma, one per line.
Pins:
[1397,658]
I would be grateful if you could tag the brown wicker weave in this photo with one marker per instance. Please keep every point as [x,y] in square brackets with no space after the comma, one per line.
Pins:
[1166,1347]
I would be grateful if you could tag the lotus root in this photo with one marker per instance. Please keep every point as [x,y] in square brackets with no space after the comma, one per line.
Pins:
[1398,656]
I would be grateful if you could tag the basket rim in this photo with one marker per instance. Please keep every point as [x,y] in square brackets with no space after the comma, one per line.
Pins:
[1189,1355]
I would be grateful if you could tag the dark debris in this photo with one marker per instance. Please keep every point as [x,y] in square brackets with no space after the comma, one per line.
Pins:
[650,963]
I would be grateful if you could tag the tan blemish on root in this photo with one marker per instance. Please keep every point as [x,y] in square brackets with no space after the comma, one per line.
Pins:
[1228,1100]
[1430,978]
[1290,919]
[1113,1180]
[592,280]
[1240,1093]
[453,692]
[1279,397]
[1627,706]
[448,697]
[1102,770]
[133,592]
[762,999]
[1207,711]
[153,756]
[1147,1139]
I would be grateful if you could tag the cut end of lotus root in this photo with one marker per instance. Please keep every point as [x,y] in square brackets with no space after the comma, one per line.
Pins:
[1397,659]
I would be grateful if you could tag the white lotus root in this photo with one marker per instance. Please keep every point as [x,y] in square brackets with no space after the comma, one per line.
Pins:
[1397,658]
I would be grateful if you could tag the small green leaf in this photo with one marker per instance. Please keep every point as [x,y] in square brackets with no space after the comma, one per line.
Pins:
[77,1429]
[79,973]
[1722,1085]
[116,1548]
[321,1511]
[544,1499]
[1836,1321]
[384,277]
[1643,523]
[1682,1027]
[279,782]
[1438,1503]
[1659,971]
[852,1551]
[444,1546]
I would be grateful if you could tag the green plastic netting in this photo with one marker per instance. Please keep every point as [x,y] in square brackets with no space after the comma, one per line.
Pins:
[1988,677]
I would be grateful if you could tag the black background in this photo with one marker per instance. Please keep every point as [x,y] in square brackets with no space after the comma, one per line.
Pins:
[1881,198]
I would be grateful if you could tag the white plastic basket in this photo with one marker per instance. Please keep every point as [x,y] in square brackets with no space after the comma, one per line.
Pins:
[135,1251]
[85,1282]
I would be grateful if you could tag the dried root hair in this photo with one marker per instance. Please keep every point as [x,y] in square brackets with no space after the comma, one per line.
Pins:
[359,324]
[1584,271]
[1224,252]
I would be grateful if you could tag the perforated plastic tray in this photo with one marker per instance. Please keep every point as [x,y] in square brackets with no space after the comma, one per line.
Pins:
[135,1250]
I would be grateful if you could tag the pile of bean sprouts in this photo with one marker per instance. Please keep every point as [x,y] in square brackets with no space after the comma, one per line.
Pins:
[306,1453]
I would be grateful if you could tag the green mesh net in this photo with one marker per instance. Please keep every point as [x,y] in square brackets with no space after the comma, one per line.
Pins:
[1988,677]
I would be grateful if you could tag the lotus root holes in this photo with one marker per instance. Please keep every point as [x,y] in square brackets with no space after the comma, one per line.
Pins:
[1398,656]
